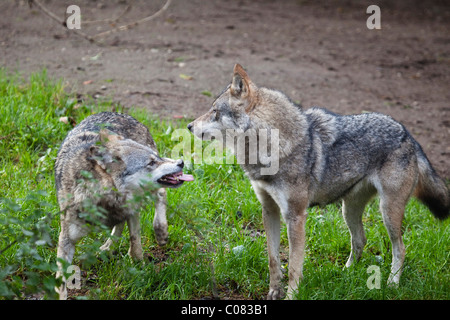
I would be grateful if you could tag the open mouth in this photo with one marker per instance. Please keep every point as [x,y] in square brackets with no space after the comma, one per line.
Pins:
[175,179]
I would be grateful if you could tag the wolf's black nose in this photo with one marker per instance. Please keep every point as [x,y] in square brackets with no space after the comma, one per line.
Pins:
[180,163]
[190,126]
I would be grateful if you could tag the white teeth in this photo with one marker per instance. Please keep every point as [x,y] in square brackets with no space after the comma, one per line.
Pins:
[172,178]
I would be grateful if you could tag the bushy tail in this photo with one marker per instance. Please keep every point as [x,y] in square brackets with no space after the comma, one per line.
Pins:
[431,189]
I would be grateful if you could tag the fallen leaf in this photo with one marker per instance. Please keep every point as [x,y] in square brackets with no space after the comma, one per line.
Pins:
[186,77]
[64,120]
[88,82]
[96,57]
[207,93]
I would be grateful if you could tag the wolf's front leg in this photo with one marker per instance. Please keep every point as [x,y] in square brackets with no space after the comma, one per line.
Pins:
[160,220]
[271,220]
[296,221]
[134,227]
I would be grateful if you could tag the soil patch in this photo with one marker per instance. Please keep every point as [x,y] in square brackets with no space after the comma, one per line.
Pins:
[319,53]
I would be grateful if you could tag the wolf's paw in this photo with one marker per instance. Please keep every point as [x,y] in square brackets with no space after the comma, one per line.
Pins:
[393,282]
[161,233]
[162,241]
[162,236]
[275,294]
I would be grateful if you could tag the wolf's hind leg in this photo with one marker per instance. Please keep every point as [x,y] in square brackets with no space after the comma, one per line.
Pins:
[66,250]
[394,194]
[352,209]
[353,218]
[393,210]
[71,233]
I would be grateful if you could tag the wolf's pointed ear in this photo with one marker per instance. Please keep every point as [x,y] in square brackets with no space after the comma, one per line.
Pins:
[240,85]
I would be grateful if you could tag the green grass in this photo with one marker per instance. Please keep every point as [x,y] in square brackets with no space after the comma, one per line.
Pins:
[216,238]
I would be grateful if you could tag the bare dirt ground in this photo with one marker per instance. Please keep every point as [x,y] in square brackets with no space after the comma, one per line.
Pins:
[320,53]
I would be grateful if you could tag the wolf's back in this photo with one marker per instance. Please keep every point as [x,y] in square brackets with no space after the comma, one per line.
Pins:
[71,159]
[431,189]
[119,123]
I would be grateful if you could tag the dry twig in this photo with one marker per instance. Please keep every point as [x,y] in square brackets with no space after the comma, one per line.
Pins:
[94,38]
[135,23]
[57,19]
[114,20]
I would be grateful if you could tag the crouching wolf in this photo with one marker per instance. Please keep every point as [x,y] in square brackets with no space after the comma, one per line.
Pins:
[324,157]
[104,162]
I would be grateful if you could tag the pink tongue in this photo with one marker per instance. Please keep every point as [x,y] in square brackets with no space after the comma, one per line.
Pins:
[186,177]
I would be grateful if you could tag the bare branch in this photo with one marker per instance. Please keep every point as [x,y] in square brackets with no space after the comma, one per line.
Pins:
[114,20]
[135,23]
[106,33]
[60,21]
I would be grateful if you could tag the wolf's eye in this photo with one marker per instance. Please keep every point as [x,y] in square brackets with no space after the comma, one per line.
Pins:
[215,114]
[152,163]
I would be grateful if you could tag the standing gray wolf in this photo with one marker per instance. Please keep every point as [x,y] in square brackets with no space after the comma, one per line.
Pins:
[105,161]
[324,157]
